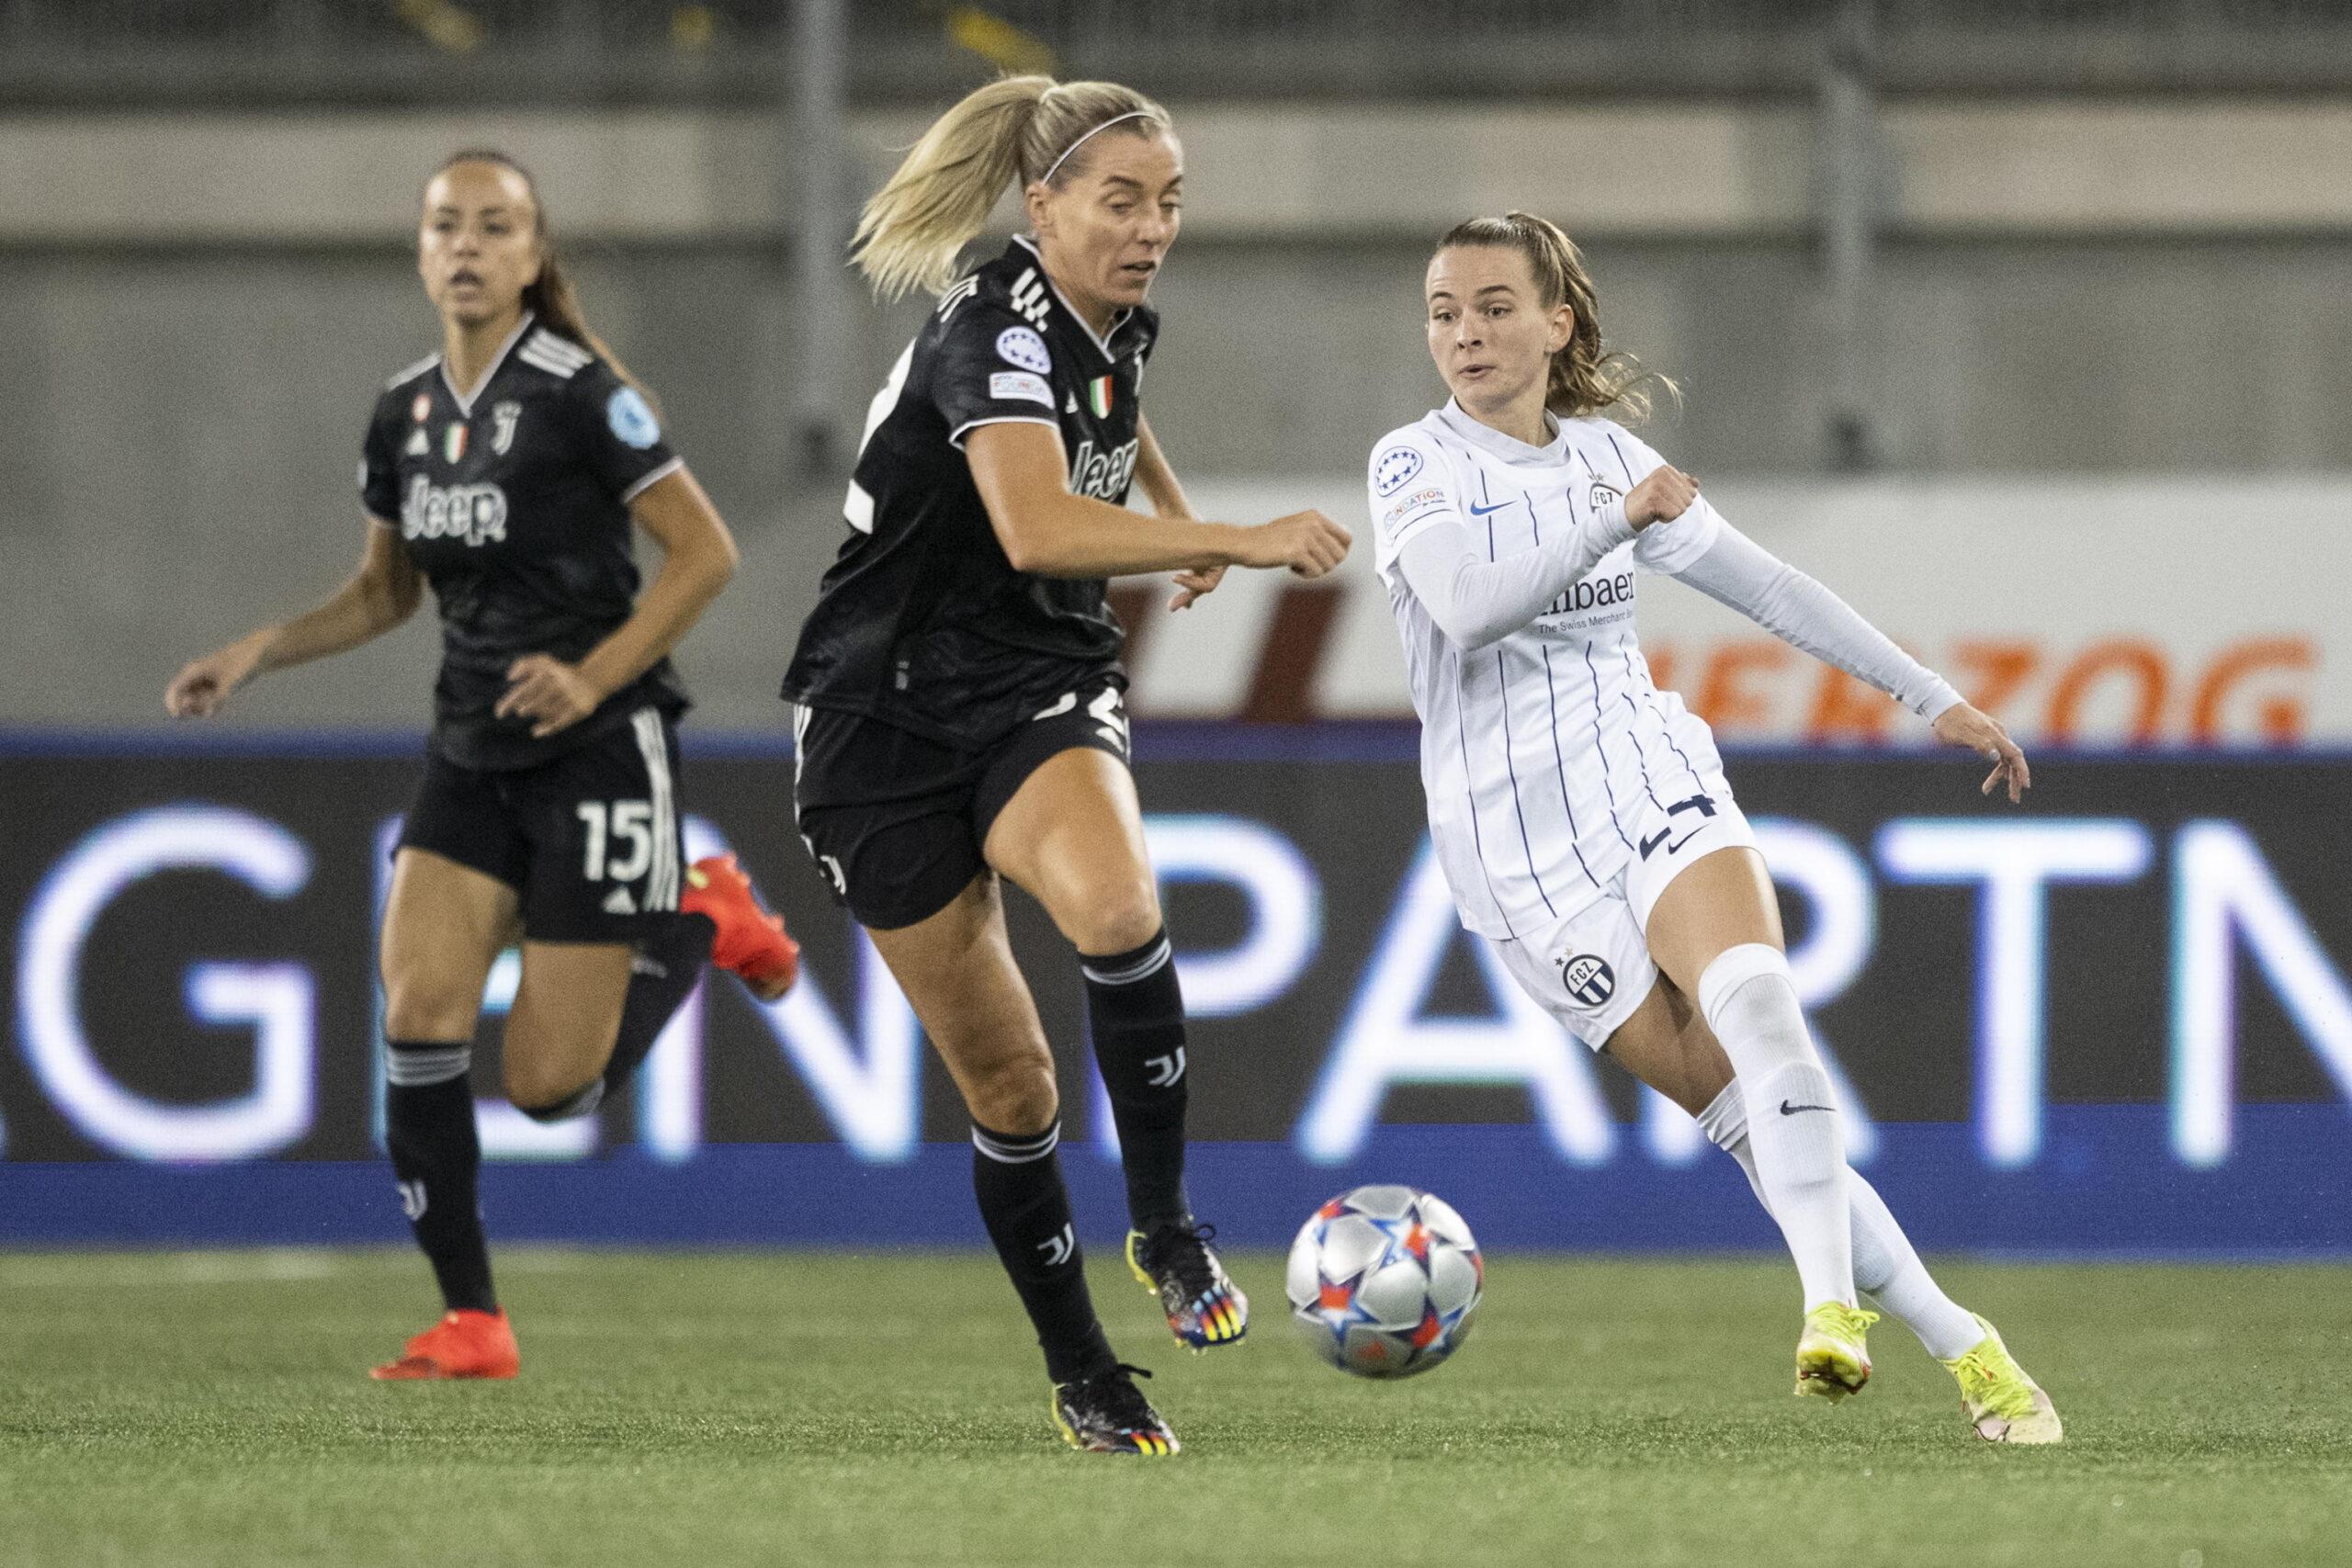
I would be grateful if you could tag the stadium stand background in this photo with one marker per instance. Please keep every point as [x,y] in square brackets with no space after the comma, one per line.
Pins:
[2079,239]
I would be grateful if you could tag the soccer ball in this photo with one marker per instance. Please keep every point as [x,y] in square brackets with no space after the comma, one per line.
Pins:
[1384,1282]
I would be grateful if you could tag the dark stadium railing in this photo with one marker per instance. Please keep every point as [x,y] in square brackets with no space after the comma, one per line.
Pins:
[604,51]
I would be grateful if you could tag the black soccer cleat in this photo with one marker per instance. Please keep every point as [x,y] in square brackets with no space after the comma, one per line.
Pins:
[1107,1413]
[1205,1308]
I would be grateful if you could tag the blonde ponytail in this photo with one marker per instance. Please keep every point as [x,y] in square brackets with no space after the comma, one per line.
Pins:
[1016,128]
[1585,378]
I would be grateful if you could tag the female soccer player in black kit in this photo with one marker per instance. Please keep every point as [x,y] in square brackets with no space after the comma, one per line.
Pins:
[959,686]
[506,471]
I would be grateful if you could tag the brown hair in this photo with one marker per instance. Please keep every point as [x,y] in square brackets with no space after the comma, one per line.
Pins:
[913,229]
[1586,376]
[551,299]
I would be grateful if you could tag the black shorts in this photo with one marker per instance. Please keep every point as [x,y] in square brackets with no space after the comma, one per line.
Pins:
[896,821]
[589,841]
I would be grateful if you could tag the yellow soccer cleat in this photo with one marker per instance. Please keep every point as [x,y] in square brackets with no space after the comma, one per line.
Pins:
[2003,1404]
[1832,1360]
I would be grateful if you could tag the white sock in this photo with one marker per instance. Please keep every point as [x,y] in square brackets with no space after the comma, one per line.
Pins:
[1886,1265]
[1796,1136]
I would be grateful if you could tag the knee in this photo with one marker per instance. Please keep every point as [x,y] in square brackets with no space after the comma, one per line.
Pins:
[548,1091]
[1017,1096]
[1116,919]
[1749,1000]
[579,1102]
[421,1007]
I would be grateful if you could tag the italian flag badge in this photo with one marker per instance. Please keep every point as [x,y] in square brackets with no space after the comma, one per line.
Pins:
[1098,396]
[453,442]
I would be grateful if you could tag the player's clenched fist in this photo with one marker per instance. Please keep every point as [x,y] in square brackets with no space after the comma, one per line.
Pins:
[1665,495]
[1307,542]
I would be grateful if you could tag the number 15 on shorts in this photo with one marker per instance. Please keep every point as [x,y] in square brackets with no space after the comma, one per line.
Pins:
[623,825]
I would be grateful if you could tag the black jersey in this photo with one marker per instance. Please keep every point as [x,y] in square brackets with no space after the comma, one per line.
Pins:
[514,503]
[921,621]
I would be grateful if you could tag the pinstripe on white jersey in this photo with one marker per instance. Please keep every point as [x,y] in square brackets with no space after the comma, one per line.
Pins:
[1535,748]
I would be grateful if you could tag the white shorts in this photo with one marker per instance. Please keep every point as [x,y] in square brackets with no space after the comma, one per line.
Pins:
[1592,969]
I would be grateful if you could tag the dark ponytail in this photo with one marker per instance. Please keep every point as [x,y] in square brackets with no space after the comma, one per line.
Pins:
[1586,376]
[552,299]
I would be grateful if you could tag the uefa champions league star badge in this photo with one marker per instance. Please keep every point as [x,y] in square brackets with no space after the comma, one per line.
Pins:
[1394,468]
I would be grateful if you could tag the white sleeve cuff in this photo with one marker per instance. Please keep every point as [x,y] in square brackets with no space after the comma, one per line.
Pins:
[1941,696]
[649,480]
[956,437]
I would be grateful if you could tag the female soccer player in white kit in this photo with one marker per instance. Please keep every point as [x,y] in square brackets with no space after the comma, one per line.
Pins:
[1581,815]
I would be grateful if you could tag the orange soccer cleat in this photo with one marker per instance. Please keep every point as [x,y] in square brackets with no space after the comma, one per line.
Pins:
[464,1343]
[751,942]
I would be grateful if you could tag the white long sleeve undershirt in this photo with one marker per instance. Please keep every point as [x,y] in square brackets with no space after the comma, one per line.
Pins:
[1475,601]
[1737,572]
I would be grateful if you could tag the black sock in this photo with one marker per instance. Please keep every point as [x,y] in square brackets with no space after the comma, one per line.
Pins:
[1136,1011]
[436,1156]
[1026,1209]
[662,975]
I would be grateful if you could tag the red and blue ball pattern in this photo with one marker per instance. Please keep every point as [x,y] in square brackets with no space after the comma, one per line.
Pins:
[1384,1282]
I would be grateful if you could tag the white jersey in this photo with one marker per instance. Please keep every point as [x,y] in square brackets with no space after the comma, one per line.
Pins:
[1538,748]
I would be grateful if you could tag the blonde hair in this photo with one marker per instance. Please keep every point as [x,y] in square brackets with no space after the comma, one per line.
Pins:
[1017,127]
[552,299]
[1586,376]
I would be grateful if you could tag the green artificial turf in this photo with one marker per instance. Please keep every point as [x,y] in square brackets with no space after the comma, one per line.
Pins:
[688,1408]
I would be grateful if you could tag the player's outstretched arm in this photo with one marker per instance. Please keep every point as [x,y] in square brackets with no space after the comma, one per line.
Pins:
[698,557]
[1021,471]
[1734,570]
[1737,572]
[382,594]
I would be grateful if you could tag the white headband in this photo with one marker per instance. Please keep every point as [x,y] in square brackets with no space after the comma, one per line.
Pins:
[1047,177]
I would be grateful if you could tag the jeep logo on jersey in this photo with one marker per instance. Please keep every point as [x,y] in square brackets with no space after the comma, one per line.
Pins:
[1101,475]
[476,513]
[1588,979]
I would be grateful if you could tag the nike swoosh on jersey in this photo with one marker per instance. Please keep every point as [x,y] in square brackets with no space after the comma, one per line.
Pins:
[1649,846]
[1788,1109]
[1479,511]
